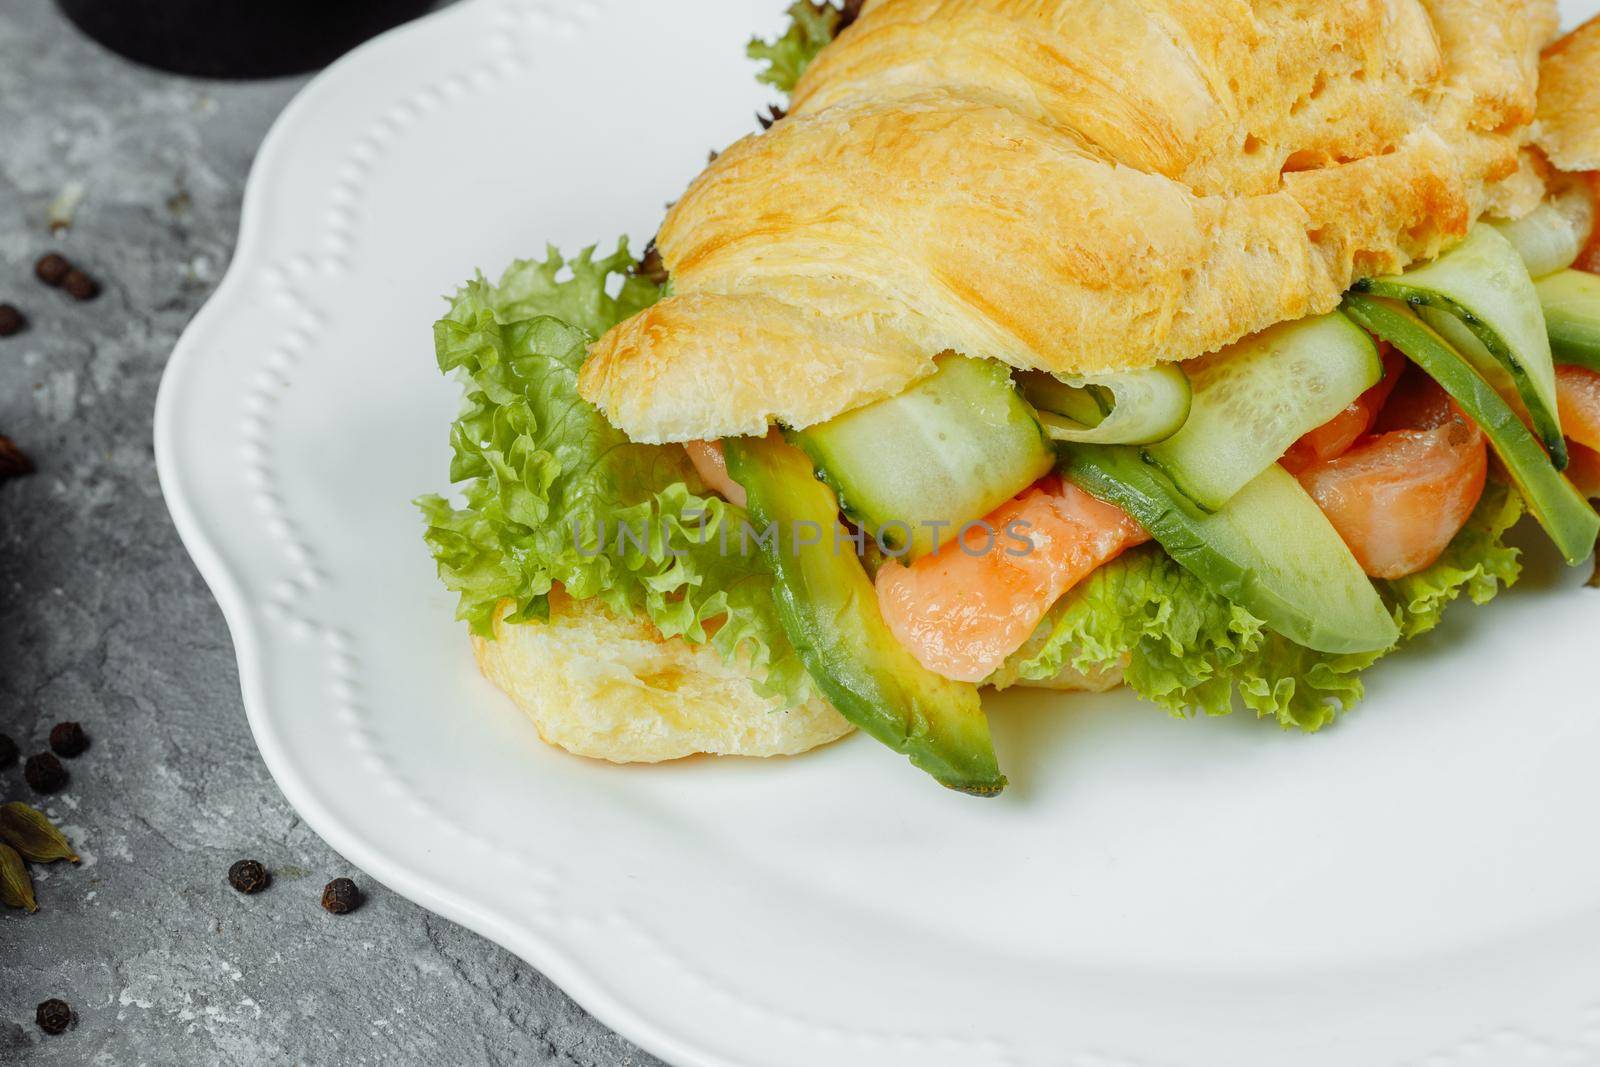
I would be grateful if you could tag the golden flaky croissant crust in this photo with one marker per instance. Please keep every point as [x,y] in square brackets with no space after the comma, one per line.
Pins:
[1568,128]
[1076,186]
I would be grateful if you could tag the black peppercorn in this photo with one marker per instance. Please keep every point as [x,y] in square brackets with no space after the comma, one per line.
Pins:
[53,1016]
[248,876]
[11,320]
[44,773]
[341,896]
[8,751]
[52,268]
[775,113]
[79,285]
[68,739]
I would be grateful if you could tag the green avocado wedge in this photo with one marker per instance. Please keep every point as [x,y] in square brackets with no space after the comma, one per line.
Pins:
[1571,523]
[1269,549]
[1571,302]
[1478,295]
[830,612]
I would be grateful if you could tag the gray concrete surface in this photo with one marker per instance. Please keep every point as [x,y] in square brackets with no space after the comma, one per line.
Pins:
[104,620]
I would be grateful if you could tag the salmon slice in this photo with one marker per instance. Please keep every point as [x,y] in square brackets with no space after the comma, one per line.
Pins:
[1578,402]
[1398,498]
[713,470]
[962,610]
[1584,471]
[1336,436]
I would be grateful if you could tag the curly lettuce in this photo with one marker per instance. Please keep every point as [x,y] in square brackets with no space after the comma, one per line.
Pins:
[554,494]
[812,26]
[1186,649]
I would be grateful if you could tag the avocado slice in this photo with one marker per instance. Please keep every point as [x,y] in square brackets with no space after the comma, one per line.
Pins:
[1269,549]
[1571,523]
[1571,302]
[1479,296]
[830,612]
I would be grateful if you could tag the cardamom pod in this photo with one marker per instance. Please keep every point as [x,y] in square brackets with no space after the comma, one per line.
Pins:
[16,888]
[32,835]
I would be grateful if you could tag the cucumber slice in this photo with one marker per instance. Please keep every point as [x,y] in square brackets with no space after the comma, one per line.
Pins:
[1550,236]
[830,612]
[1571,523]
[1270,549]
[912,469]
[1571,302]
[1483,283]
[1254,399]
[1086,404]
[1132,408]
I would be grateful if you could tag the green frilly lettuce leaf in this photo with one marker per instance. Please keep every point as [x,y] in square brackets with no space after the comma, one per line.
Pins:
[1186,649]
[811,27]
[545,476]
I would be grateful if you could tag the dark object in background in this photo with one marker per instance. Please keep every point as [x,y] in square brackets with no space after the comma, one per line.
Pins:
[248,876]
[11,320]
[52,268]
[8,750]
[53,1016]
[237,40]
[57,270]
[341,896]
[44,773]
[68,739]
[79,285]
[14,462]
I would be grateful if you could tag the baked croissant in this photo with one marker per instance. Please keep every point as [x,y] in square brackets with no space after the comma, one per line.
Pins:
[1079,187]
[1069,186]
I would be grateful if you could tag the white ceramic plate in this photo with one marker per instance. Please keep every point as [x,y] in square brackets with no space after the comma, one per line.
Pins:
[1417,886]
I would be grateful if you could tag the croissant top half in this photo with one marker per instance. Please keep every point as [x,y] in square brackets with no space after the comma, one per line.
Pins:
[1074,185]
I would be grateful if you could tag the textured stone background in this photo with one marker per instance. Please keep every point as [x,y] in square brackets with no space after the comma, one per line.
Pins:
[104,620]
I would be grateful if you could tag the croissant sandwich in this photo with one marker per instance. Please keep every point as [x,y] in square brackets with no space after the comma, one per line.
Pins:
[1206,348]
